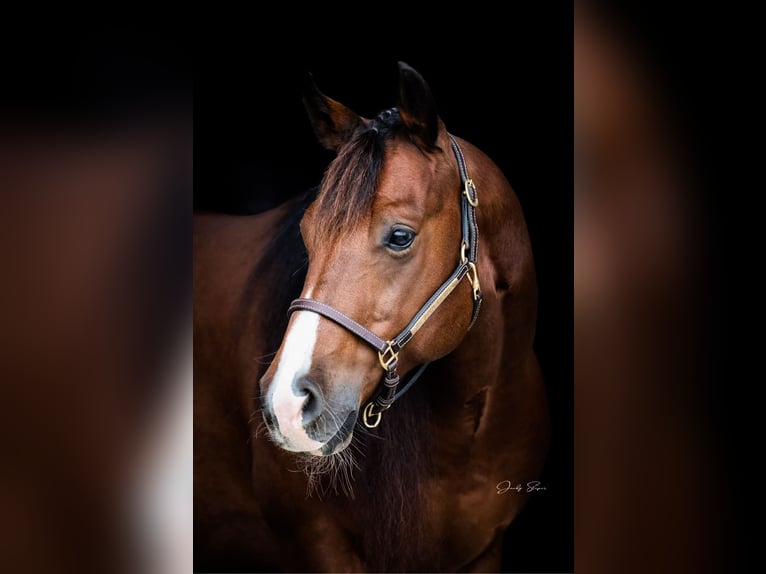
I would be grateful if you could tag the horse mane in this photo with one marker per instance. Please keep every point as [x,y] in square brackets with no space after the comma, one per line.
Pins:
[394,467]
[380,478]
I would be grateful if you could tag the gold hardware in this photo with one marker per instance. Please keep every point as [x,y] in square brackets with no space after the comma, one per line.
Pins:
[474,280]
[463,258]
[470,185]
[386,362]
[367,413]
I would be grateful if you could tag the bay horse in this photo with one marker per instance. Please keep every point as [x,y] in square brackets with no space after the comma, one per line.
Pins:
[349,474]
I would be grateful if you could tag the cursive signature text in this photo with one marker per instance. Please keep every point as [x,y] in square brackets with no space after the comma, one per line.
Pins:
[508,486]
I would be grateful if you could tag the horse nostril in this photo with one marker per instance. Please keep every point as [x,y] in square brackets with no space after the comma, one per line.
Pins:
[314,403]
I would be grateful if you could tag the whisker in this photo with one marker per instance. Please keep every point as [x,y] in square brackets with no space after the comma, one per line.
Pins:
[261,359]
[303,265]
[332,473]
[260,428]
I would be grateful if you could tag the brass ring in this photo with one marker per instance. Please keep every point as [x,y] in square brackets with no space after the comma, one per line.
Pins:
[470,184]
[368,412]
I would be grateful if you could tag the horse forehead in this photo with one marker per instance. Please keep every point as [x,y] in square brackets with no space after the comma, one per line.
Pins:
[406,175]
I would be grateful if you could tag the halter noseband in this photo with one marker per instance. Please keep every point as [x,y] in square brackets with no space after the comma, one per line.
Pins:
[388,350]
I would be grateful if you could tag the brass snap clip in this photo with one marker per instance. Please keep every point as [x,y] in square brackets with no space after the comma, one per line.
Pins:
[473,277]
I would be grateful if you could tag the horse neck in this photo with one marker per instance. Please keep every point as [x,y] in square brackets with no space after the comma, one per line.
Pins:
[499,346]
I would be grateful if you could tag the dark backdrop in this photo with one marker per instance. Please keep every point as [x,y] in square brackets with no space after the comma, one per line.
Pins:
[507,90]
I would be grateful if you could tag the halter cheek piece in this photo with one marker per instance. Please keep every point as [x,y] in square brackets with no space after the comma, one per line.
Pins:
[388,351]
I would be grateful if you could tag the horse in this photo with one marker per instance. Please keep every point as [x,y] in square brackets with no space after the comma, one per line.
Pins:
[308,455]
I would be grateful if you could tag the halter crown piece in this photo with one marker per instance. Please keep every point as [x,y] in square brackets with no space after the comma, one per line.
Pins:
[388,350]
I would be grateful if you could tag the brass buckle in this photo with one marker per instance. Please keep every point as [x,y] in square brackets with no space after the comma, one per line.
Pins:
[369,413]
[474,280]
[385,361]
[470,185]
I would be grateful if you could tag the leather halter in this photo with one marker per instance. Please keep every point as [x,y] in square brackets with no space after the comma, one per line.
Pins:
[388,350]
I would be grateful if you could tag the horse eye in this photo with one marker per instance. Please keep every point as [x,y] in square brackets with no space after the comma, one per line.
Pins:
[400,238]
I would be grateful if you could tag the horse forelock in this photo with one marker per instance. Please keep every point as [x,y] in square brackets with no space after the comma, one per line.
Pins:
[351,180]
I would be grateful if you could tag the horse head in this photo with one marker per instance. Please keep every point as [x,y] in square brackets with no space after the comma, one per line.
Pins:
[382,235]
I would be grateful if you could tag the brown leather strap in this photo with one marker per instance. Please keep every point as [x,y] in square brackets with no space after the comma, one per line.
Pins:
[469,226]
[341,319]
[429,307]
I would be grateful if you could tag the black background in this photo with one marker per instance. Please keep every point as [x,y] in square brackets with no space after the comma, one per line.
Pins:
[504,86]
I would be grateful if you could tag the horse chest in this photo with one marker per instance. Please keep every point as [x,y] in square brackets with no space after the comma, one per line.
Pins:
[449,536]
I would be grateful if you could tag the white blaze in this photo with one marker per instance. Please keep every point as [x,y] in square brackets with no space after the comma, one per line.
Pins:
[294,363]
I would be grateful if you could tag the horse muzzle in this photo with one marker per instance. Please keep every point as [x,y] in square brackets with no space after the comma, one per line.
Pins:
[306,420]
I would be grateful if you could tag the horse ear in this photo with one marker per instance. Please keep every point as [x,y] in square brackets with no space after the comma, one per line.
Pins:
[417,107]
[333,122]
